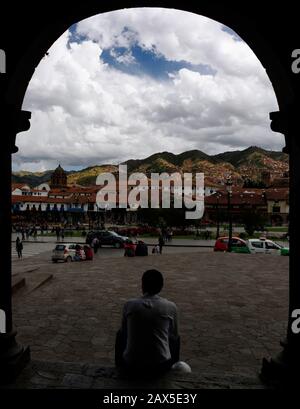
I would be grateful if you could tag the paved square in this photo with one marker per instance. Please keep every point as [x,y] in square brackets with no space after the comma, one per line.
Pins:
[233,307]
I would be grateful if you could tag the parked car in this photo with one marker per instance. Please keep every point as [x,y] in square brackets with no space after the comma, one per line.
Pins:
[106,237]
[266,246]
[68,252]
[237,245]
[64,252]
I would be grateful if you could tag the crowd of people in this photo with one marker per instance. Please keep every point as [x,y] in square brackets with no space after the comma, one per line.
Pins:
[140,248]
[83,253]
[167,234]
[132,247]
[26,231]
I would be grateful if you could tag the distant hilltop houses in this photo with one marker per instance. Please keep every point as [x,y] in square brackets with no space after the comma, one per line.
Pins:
[59,202]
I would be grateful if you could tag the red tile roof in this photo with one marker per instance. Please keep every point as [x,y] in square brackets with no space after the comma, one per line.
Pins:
[18,185]
[277,194]
[248,196]
[36,199]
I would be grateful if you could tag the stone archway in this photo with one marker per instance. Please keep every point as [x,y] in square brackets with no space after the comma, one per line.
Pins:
[252,23]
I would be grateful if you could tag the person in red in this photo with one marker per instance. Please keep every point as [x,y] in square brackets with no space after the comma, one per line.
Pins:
[129,248]
[89,254]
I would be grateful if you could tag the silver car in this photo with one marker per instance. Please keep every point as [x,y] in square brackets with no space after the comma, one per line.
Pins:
[64,252]
[266,246]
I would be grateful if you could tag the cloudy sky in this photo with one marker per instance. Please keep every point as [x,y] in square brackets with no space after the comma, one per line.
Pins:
[133,82]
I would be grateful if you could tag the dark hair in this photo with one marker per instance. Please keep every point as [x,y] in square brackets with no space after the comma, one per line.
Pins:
[152,282]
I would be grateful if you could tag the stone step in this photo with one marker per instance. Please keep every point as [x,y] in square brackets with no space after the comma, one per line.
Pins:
[68,375]
[26,283]
[17,283]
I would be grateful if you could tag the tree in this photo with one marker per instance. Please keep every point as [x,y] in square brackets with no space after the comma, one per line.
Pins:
[257,184]
[165,217]
[253,220]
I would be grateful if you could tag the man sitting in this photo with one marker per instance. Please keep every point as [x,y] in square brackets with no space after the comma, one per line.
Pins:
[148,342]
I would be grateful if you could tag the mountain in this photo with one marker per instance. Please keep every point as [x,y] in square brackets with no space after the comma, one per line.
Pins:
[251,155]
[246,164]
[165,161]
[31,178]
[87,176]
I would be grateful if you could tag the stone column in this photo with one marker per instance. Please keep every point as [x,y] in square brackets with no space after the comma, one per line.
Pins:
[286,366]
[13,356]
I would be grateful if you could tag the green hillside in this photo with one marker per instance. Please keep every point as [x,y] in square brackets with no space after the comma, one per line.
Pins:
[247,163]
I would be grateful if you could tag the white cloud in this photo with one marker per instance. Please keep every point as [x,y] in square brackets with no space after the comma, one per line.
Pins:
[86,112]
[126,58]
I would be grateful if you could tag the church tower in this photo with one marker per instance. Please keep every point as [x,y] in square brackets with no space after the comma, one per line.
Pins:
[58,178]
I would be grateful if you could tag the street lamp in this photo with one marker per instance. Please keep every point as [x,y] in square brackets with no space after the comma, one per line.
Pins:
[98,216]
[88,213]
[218,217]
[228,184]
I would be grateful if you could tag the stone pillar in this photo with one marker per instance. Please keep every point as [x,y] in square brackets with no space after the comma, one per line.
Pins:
[286,366]
[13,356]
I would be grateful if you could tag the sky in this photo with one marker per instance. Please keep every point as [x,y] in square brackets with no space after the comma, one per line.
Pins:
[130,83]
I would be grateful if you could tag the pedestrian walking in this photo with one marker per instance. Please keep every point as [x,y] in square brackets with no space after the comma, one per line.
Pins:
[57,231]
[95,244]
[161,243]
[19,247]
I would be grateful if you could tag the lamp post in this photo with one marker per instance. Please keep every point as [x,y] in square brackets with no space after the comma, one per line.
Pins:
[228,184]
[218,217]
[98,215]
[88,213]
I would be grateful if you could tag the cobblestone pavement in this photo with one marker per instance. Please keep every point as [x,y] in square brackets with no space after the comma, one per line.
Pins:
[30,249]
[233,307]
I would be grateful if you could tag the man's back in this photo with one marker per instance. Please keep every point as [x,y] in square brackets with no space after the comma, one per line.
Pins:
[149,322]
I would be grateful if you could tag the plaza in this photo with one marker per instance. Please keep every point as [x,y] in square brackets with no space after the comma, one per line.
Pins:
[232,307]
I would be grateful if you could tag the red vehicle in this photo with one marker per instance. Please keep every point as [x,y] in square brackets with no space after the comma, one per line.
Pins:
[237,244]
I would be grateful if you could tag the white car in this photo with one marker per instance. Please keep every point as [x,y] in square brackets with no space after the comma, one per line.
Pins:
[265,246]
[67,252]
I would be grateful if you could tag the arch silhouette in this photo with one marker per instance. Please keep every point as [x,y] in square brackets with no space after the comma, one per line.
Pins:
[251,21]
[254,39]
[2,322]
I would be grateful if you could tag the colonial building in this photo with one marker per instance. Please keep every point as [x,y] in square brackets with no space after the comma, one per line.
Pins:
[72,204]
[278,205]
[273,203]
[242,201]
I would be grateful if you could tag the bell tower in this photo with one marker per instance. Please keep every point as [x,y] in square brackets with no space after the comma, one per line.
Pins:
[58,178]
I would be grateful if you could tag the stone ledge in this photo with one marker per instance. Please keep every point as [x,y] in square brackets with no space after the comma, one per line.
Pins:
[17,283]
[68,375]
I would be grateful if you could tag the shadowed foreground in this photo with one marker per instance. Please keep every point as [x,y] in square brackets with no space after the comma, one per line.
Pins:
[233,311]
